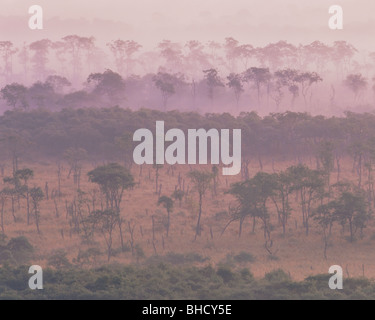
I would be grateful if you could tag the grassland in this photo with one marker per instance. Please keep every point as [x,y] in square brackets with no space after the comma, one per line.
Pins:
[298,255]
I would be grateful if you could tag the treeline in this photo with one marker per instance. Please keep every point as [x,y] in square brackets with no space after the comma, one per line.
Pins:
[74,55]
[270,197]
[263,90]
[195,76]
[166,282]
[106,134]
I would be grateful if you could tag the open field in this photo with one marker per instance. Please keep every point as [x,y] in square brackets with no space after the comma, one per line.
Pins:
[297,254]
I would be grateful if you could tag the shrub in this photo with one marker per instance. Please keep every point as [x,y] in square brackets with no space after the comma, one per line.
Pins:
[277,276]
[244,257]
[58,259]
[18,251]
[225,273]
[179,258]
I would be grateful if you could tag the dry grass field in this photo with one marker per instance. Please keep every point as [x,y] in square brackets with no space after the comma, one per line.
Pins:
[295,253]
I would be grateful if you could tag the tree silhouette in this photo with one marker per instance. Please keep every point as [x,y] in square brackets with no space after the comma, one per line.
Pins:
[25,175]
[172,54]
[123,52]
[325,217]
[356,83]
[213,80]
[40,57]
[167,84]
[202,181]
[58,83]
[309,183]
[351,208]
[113,179]
[252,196]
[108,84]
[259,77]
[235,83]
[7,51]
[306,80]
[15,95]
[105,221]
[76,46]
[178,195]
[36,195]
[283,188]
[167,203]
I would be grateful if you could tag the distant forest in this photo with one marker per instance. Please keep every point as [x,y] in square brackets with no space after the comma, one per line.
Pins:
[106,134]
[192,76]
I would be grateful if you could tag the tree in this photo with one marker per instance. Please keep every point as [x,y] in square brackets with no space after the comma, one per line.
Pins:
[113,179]
[306,80]
[7,51]
[3,199]
[235,83]
[196,58]
[259,77]
[357,83]
[283,188]
[245,53]
[310,185]
[202,181]
[15,146]
[109,84]
[288,78]
[75,157]
[172,54]
[342,53]
[76,46]
[178,194]
[37,196]
[123,52]
[124,144]
[277,54]
[58,83]
[41,94]
[77,99]
[317,53]
[231,47]
[23,190]
[263,185]
[106,221]
[15,95]
[214,56]
[326,157]
[167,84]
[40,57]
[24,58]
[213,81]
[351,208]
[276,89]
[215,175]
[252,196]
[168,204]
[157,167]
[325,216]
[61,56]
[58,259]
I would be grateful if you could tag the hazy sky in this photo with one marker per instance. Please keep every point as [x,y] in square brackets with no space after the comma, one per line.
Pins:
[149,21]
